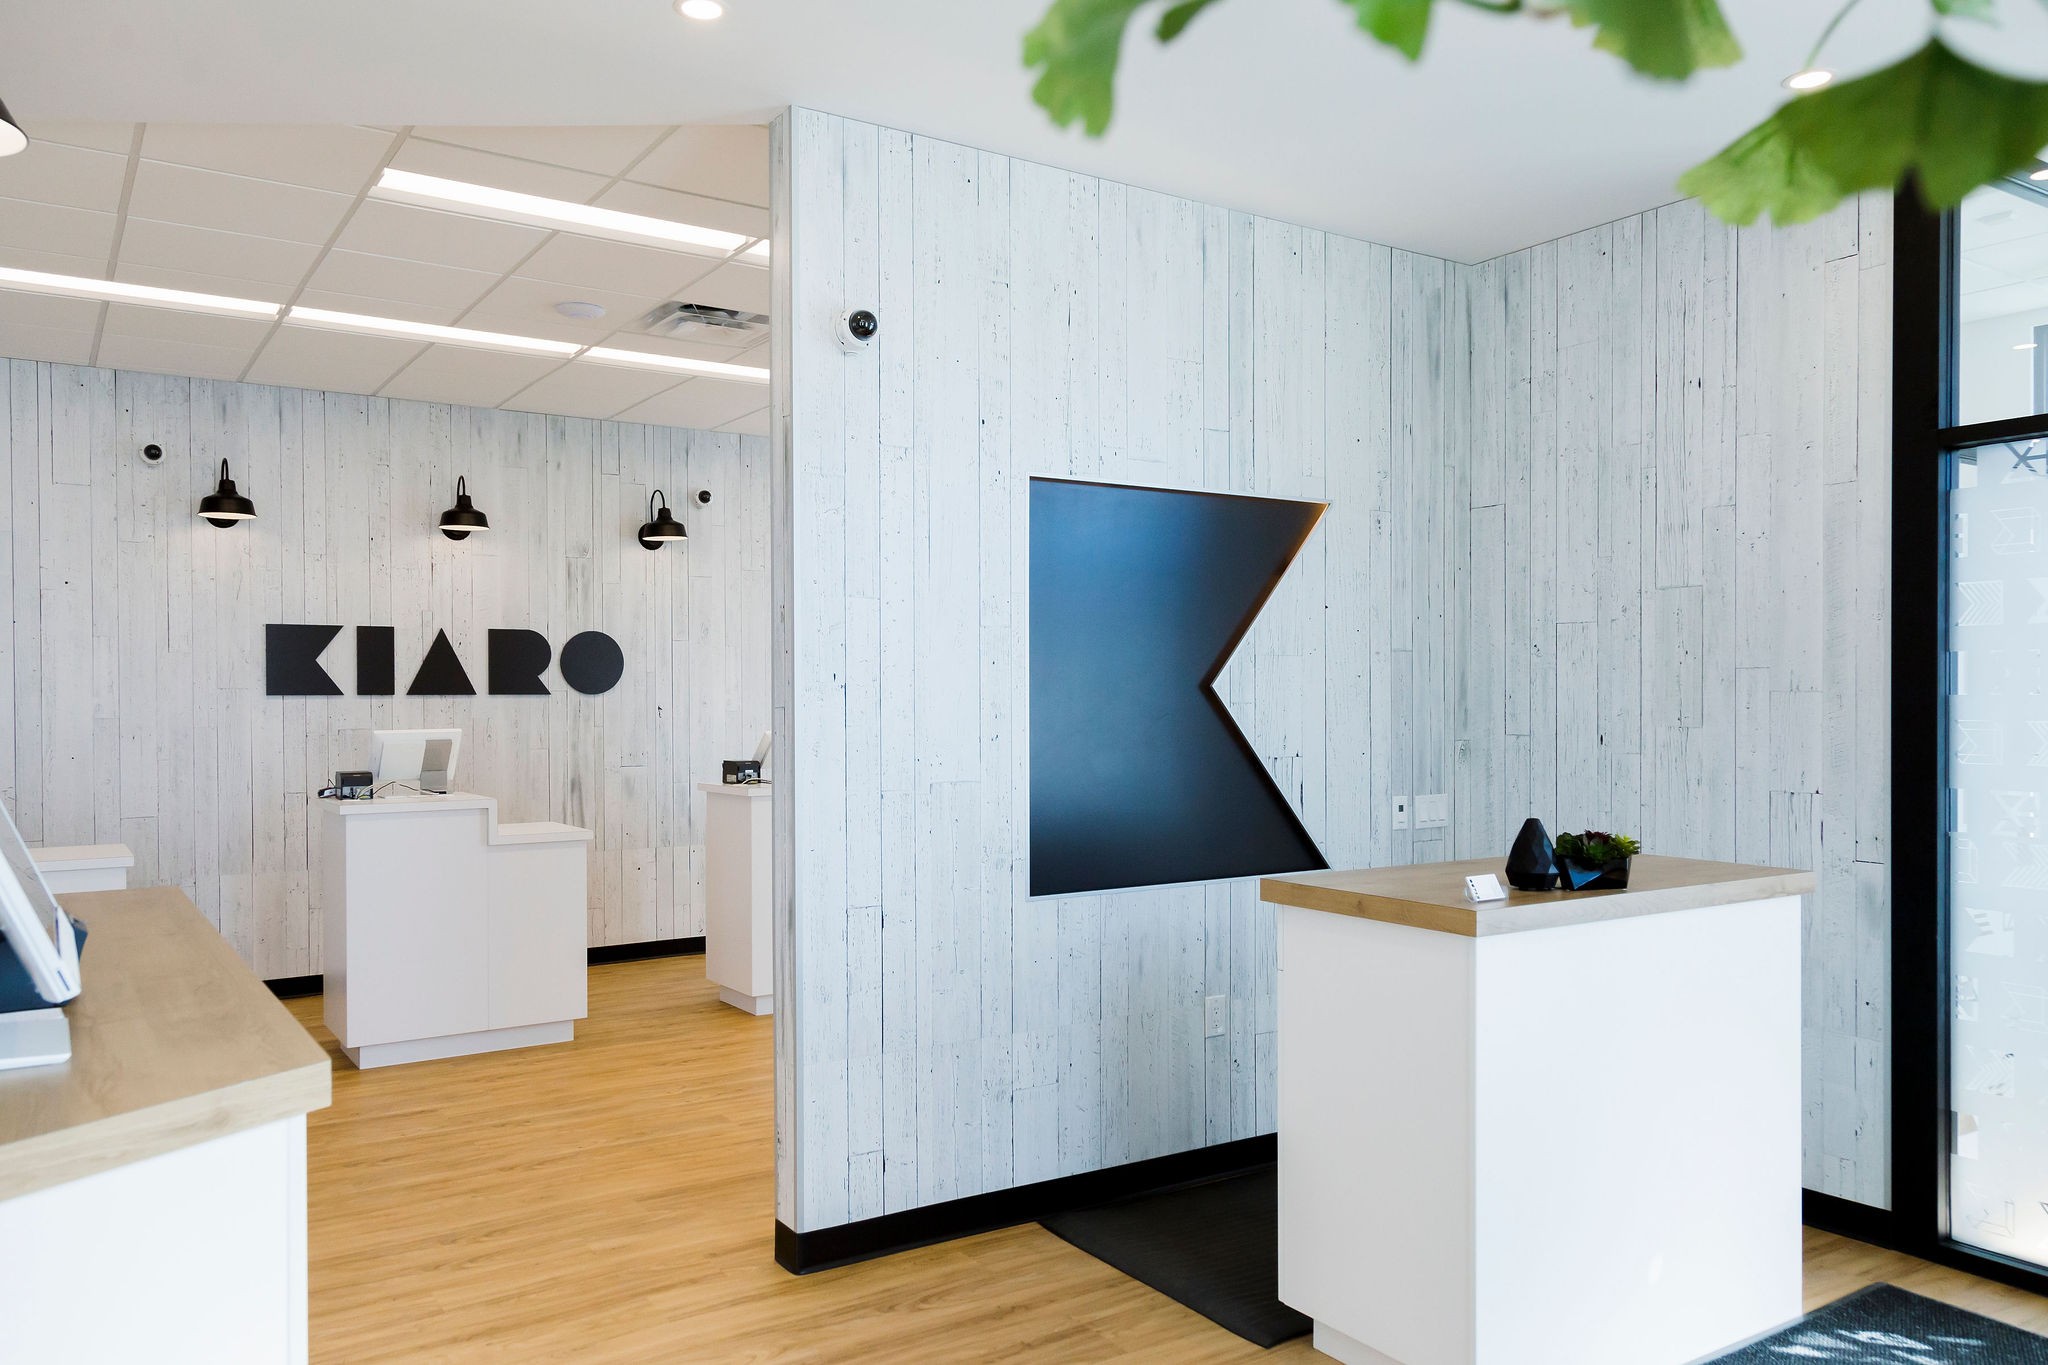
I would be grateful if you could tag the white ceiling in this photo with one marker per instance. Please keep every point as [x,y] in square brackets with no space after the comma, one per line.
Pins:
[280,213]
[1512,131]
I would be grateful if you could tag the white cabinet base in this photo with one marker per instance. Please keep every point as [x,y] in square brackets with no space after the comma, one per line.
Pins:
[752,1004]
[739,932]
[460,1044]
[191,1257]
[1334,1344]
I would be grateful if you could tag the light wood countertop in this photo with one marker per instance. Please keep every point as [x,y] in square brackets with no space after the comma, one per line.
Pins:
[1432,895]
[173,1041]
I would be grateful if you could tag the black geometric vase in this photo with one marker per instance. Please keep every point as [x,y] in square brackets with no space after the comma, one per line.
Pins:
[1532,862]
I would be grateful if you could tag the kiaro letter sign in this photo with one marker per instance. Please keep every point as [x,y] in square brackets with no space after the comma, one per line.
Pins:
[591,662]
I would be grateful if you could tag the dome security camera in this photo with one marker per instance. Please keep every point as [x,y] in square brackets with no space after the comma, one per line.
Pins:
[152,453]
[857,331]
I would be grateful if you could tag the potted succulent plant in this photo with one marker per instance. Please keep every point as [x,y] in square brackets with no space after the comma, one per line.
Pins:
[1594,860]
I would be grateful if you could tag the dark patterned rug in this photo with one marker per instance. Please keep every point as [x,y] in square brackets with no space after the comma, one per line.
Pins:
[1883,1325]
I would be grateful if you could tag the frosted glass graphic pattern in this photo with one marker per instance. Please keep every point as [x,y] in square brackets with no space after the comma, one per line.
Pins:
[1998,868]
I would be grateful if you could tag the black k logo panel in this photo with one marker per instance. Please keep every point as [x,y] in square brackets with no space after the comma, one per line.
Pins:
[1139,775]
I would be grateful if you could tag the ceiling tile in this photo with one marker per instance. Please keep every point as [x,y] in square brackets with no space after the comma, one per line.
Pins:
[53,262]
[321,157]
[230,255]
[233,203]
[204,284]
[48,310]
[583,389]
[385,277]
[606,151]
[724,161]
[523,305]
[59,345]
[702,403]
[2021,258]
[171,324]
[628,197]
[443,314]
[455,374]
[753,424]
[620,268]
[59,230]
[102,137]
[695,350]
[499,172]
[418,234]
[2010,298]
[159,356]
[308,358]
[52,173]
[732,286]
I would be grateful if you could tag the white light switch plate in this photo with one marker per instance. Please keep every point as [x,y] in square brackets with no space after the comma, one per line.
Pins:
[1215,1016]
[1433,811]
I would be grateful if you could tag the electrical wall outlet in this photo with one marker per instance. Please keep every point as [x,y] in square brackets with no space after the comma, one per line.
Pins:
[1433,811]
[1400,812]
[1215,1016]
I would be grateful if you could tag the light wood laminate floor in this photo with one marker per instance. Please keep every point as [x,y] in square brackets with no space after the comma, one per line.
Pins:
[613,1200]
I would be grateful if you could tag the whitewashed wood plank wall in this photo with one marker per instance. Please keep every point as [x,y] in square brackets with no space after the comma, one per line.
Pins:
[942,1034]
[131,659]
[1607,543]
[1674,604]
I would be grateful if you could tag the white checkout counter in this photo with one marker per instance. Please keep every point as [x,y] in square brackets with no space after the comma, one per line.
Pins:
[1559,1129]
[448,933]
[739,931]
[84,867]
[153,1188]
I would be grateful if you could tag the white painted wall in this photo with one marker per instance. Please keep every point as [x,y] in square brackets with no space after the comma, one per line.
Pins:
[131,661]
[944,1034]
[1673,552]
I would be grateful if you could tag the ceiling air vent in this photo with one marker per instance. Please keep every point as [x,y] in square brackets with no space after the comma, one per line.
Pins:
[700,322]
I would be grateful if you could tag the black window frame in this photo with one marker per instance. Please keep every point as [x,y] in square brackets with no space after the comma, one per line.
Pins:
[1926,258]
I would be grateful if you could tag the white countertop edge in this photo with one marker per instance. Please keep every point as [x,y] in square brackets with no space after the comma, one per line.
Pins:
[754,789]
[82,857]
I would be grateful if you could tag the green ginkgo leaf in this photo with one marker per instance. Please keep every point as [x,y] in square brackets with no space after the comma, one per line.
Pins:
[1963,9]
[1401,24]
[1175,20]
[1079,43]
[1949,123]
[1667,39]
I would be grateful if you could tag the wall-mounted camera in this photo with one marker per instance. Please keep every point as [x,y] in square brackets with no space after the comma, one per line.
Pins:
[857,331]
[152,453]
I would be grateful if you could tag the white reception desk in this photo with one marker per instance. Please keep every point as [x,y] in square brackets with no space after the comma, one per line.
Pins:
[739,932]
[448,933]
[1562,1129]
[153,1188]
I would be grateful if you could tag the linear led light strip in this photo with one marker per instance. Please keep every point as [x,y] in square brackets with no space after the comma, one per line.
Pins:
[114,291]
[533,210]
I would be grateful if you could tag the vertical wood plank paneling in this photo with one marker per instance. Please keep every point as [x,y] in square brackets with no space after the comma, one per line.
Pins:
[1701,525]
[134,664]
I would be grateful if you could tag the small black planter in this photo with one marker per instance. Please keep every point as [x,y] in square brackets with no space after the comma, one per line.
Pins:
[1575,875]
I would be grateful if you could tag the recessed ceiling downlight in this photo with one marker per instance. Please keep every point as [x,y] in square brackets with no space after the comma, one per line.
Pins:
[705,10]
[1812,78]
[581,311]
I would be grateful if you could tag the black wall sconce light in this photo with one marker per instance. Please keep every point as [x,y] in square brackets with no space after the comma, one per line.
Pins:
[662,527]
[223,507]
[458,521]
[12,139]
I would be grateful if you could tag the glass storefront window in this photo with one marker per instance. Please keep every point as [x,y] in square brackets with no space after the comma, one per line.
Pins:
[2002,332]
[1998,863]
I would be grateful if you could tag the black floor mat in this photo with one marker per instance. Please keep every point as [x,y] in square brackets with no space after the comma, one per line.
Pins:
[1884,1325]
[1214,1247]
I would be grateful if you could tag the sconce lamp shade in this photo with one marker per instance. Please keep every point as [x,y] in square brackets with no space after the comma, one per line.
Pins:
[458,521]
[223,507]
[662,526]
[12,139]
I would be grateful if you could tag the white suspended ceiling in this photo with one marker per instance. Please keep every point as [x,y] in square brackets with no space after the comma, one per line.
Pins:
[1512,131]
[282,214]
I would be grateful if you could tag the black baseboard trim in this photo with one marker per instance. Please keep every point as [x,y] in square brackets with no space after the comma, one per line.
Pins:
[802,1253]
[294,987]
[641,952]
[1847,1218]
